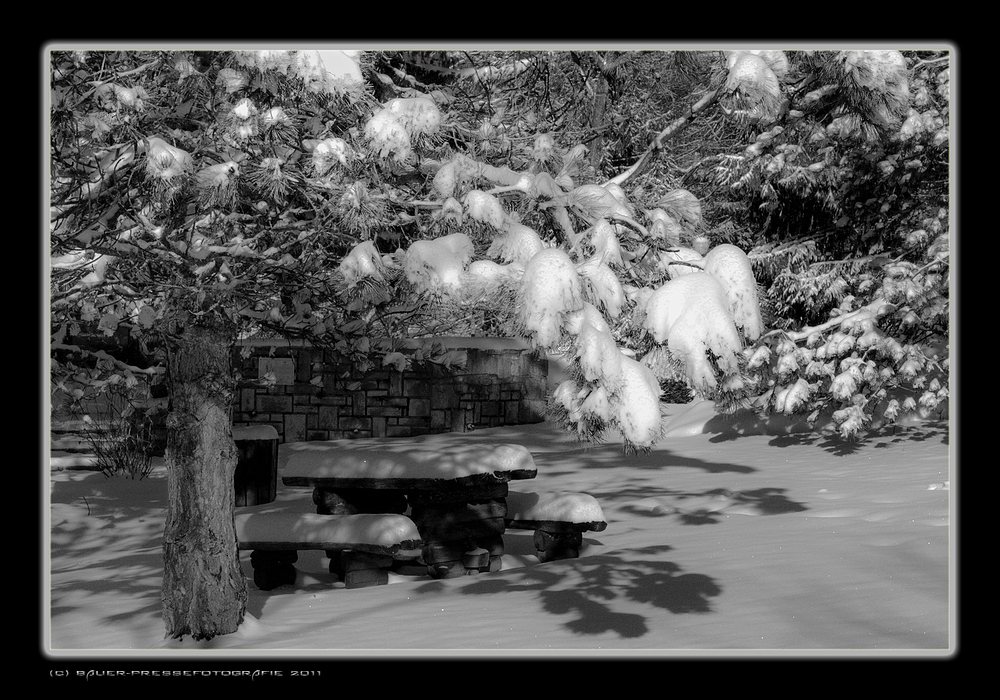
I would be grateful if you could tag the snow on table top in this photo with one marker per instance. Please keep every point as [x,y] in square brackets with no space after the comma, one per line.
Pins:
[387,531]
[562,507]
[348,460]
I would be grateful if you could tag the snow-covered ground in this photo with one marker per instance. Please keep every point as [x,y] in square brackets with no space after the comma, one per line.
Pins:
[722,540]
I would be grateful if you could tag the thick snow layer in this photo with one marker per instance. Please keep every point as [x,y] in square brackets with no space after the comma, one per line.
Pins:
[550,289]
[600,358]
[683,205]
[341,64]
[594,202]
[388,136]
[484,207]
[486,274]
[691,315]
[605,287]
[381,530]
[638,403]
[345,459]
[516,244]
[607,247]
[254,432]
[821,548]
[731,267]
[437,265]
[675,261]
[363,261]
[597,405]
[588,314]
[564,507]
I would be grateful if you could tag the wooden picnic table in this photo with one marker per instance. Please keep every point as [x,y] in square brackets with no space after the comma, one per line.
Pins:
[454,493]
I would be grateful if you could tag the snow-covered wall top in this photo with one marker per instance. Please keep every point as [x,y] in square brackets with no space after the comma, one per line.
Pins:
[255,432]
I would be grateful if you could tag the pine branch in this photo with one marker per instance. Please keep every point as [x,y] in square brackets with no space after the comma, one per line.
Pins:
[803,334]
[672,129]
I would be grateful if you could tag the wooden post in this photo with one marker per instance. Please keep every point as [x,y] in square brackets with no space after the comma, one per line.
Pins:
[256,479]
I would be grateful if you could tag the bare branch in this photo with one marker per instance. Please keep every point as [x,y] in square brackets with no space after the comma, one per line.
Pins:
[672,130]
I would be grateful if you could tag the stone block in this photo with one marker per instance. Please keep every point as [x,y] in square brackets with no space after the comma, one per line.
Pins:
[295,427]
[247,400]
[444,396]
[359,403]
[365,578]
[418,407]
[327,416]
[396,383]
[349,423]
[440,420]
[269,403]
[416,388]
[384,411]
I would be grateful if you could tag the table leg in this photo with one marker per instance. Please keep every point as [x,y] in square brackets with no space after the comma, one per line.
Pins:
[352,501]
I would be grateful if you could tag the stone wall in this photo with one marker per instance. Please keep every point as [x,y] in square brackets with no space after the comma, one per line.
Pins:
[312,398]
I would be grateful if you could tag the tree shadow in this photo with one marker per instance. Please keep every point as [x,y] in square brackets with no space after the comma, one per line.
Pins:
[586,589]
[792,431]
[612,457]
[710,506]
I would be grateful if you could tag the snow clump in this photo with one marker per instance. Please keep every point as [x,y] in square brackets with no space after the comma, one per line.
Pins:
[518,244]
[550,288]
[604,240]
[599,356]
[679,261]
[437,265]
[691,315]
[486,208]
[166,162]
[363,261]
[388,137]
[637,404]
[328,152]
[731,267]
[605,288]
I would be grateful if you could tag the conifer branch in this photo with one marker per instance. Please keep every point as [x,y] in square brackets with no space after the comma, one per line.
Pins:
[670,131]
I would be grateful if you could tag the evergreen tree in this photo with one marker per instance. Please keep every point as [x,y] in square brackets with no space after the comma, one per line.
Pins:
[631,211]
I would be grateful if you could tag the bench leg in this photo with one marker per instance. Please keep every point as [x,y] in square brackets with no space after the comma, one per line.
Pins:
[463,537]
[444,559]
[550,546]
[273,568]
[363,569]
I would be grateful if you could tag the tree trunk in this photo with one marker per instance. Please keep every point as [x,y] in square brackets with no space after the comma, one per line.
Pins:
[204,590]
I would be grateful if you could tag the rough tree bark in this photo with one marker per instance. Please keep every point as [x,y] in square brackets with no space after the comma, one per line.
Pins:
[204,591]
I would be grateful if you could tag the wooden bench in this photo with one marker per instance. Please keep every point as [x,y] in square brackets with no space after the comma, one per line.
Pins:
[361,547]
[558,519]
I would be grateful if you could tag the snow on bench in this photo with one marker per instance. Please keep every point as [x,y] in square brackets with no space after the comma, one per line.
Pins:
[362,547]
[371,532]
[567,512]
[558,519]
